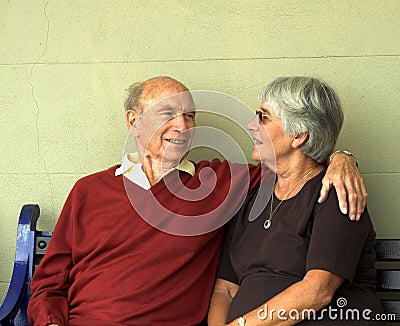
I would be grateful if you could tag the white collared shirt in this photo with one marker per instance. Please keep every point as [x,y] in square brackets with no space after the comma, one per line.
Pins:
[132,170]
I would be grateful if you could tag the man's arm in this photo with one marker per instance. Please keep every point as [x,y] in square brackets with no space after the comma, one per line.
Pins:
[49,287]
[345,176]
[50,283]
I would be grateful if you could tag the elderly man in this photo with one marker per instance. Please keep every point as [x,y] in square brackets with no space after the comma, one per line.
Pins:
[106,265]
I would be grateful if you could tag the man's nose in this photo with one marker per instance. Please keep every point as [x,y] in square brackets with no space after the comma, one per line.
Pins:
[180,122]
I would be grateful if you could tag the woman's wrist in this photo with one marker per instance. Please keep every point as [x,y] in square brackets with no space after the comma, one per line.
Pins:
[340,151]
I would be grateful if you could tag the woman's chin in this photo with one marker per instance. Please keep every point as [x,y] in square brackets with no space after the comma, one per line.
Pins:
[270,164]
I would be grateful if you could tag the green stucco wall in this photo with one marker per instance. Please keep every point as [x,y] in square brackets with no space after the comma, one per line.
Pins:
[65,66]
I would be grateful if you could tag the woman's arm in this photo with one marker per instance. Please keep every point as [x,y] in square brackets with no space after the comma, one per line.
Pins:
[291,305]
[224,291]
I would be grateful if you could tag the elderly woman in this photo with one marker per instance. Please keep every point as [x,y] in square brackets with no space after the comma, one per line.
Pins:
[298,256]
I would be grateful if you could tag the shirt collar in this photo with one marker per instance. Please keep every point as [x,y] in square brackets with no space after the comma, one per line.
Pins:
[130,162]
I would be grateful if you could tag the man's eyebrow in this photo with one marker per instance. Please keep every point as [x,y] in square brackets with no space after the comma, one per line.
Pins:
[166,107]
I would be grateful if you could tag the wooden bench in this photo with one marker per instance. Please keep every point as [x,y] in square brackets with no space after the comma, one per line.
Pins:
[32,245]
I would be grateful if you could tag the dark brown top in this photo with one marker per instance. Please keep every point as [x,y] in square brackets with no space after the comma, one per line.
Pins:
[304,235]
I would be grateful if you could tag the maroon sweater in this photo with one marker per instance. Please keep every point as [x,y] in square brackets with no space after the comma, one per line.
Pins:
[107,266]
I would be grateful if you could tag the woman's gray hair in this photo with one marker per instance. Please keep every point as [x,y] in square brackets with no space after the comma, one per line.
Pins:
[306,104]
[134,101]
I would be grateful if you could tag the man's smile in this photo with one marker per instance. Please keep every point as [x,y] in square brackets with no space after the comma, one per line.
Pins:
[256,141]
[176,141]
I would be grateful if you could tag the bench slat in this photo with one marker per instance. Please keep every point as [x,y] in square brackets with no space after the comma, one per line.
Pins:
[392,309]
[388,280]
[387,249]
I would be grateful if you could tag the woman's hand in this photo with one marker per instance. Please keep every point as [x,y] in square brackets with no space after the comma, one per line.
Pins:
[344,175]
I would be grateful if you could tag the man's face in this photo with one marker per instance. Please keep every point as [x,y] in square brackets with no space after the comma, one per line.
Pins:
[165,128]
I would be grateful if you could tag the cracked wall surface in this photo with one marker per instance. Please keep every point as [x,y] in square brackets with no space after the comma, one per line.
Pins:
[36,105]
[65,66]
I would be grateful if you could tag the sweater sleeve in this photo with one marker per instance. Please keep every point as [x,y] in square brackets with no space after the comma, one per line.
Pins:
[50,282]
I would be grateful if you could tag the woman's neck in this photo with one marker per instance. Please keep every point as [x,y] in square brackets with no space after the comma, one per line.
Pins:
[293,175]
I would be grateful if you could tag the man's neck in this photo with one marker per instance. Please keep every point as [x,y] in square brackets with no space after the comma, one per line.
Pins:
[155,169]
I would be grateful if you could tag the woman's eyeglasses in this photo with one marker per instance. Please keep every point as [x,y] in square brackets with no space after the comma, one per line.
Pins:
[261,116]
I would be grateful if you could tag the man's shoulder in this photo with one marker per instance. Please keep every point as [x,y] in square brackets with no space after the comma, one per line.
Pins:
[217,163]
[96,177]
[206,163]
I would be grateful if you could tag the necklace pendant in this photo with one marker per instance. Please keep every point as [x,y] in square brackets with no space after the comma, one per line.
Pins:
[267,224]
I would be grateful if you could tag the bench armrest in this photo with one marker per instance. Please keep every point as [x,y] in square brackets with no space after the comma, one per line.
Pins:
[18,292]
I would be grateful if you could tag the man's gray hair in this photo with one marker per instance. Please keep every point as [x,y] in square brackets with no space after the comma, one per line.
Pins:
[306,104]
[134,100]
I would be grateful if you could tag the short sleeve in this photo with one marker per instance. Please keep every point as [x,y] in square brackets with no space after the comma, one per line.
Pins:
[336,242]
[225,268]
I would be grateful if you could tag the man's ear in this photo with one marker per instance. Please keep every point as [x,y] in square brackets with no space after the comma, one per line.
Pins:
[131,118]
[299,139]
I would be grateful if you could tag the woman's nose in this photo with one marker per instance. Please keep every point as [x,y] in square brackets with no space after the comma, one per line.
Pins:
[253,123]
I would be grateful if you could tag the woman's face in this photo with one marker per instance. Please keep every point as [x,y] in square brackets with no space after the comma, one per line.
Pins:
[270,140]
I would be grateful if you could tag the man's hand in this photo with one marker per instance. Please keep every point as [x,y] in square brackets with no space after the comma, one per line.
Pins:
[344,175]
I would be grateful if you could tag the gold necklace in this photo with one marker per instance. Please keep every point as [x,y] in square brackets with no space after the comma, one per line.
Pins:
[267,223]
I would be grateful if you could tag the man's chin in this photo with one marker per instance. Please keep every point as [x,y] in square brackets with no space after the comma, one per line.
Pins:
[173,159]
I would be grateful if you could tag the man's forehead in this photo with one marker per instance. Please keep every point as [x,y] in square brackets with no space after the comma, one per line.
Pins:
[180,101]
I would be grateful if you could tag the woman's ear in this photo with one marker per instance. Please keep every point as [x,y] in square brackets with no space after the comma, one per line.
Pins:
[299,139]
[131,118]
